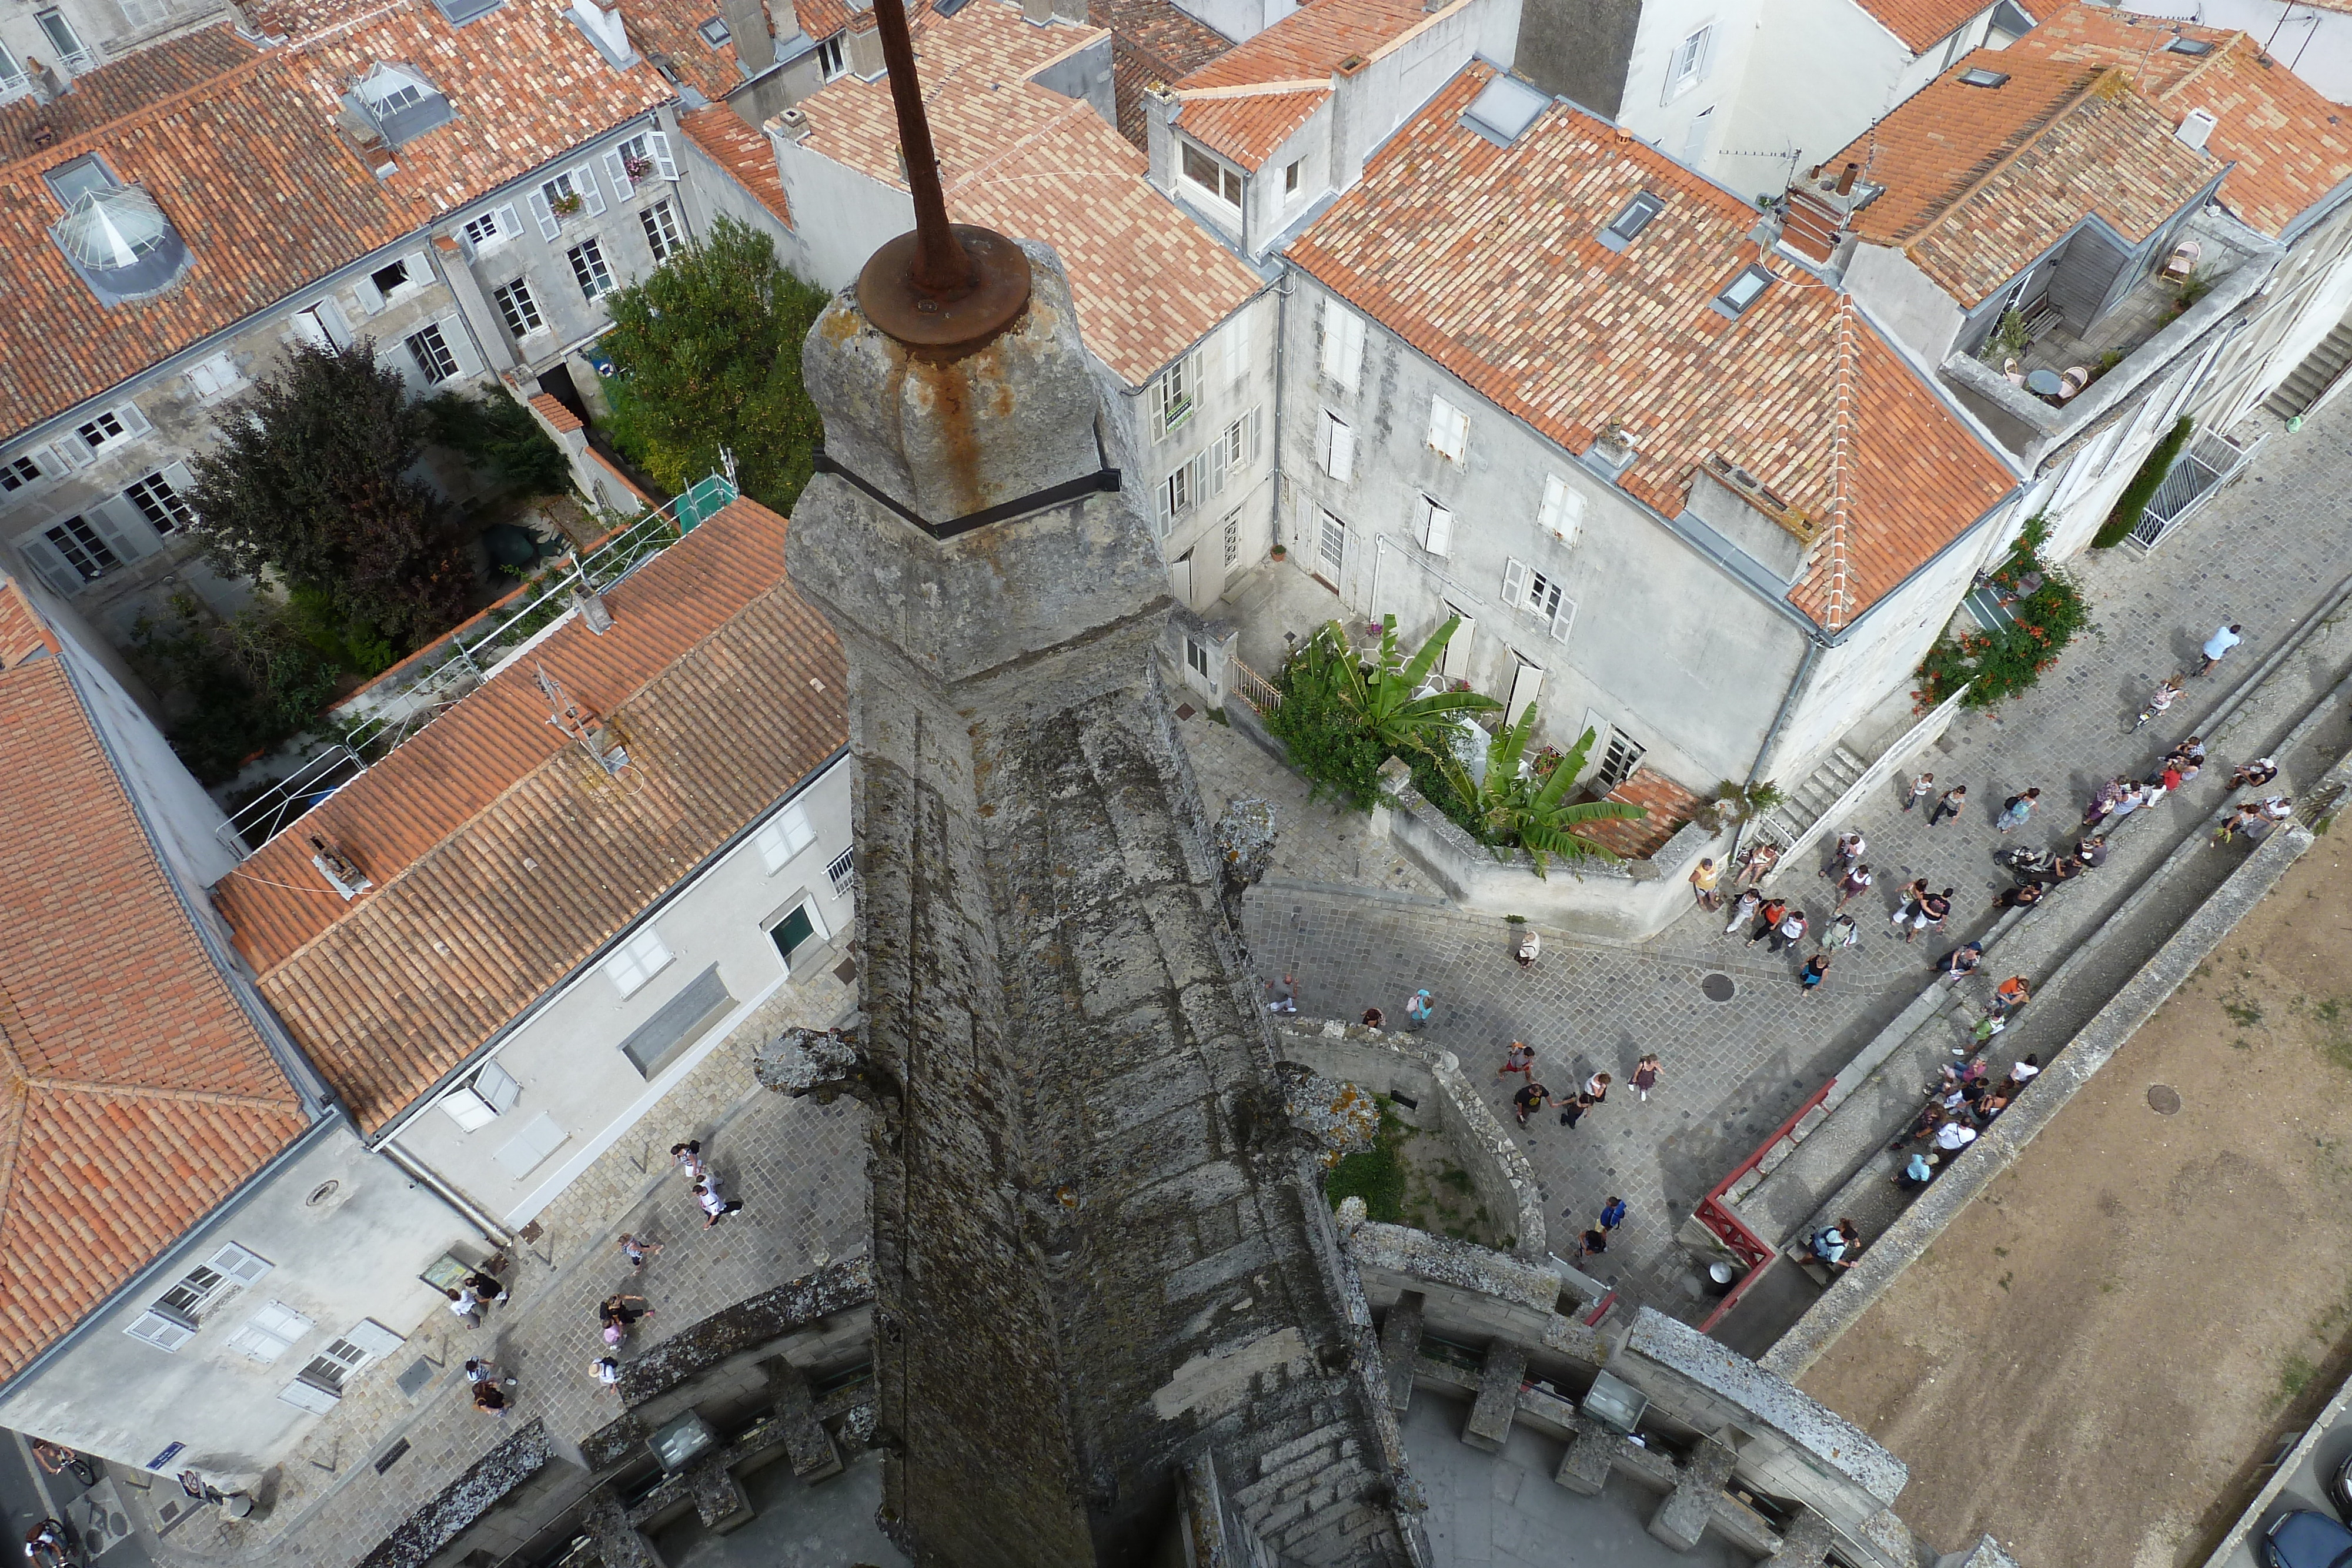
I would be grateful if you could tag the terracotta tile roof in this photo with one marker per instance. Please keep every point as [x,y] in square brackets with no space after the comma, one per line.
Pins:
[235,147]
[134,1092]
[1150,40]
[502,855]
[743,152]
[559,418]
[1035,165]
[1308,46]
[821,19]
[2278,131]
[1246,129]
[1980,180]
[1501,281]
[1920,23]
[671,30]
[23,632]
[1669,805]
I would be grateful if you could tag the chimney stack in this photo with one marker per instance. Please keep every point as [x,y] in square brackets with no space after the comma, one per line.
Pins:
[865,61]
[1845,179]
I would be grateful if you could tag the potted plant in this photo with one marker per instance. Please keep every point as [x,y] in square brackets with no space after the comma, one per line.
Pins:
[639,168]
[567,204]
[1281,551]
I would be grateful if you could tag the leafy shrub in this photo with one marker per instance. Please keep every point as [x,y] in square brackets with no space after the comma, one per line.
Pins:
[2133,502]
[1997,665]
[498,439]
[1342,716]
[1376,1175]
[231,688]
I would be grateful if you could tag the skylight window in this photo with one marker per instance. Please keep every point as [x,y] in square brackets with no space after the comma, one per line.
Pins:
[2190,46]
[1503,109]
[461,11]
[1742,291]
[715,32]
[403,105]
[71,181]
[1977,76]
[1630,220]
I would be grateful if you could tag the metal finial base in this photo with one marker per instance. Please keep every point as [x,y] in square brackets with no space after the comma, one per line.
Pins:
[922,319]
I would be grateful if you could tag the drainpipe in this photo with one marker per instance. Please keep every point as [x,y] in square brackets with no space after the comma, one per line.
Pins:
[1281,332]
[492,1231]
[1764,752]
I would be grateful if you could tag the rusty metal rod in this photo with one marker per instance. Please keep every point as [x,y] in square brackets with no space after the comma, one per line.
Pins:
[942,267]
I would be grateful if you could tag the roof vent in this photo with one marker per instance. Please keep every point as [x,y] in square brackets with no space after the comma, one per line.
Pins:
[1503,109]
[1350,66]
[1977,76]
[120,242]
[342,872]
[2195,127]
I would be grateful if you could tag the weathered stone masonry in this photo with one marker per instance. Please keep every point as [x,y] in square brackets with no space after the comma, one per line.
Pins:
[1099,1256]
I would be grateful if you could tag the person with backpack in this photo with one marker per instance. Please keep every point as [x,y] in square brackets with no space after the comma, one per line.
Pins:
[1836,1245]
[2016,810]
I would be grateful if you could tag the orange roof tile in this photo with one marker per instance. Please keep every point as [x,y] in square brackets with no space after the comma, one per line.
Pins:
[1248,129]
[1308,43]
[561,420]
[1980,180]
[502,854]
[743,152]
[1922,23]
[821,19]
[135,1093]
[1033,164]
[1499,279]
[1150,40]
[235,146]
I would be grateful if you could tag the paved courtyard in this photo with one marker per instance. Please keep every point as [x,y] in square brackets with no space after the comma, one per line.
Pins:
[1359,931]
[799,1168]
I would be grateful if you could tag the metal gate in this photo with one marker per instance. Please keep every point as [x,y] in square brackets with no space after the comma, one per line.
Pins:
[2206,464]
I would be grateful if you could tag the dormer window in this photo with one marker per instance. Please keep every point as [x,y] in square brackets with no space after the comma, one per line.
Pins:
[1630,220]
[1213,177]
[117,238]
[830,58]
[403,105]
[1742,291]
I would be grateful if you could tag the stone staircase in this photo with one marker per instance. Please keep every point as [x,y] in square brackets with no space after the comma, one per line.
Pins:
[2318,372]
[1836,774]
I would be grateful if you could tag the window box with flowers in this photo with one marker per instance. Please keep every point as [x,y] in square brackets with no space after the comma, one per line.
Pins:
[638,166]
[568,204]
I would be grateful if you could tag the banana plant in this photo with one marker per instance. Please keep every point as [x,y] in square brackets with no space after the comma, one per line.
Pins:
[1385,694]
[1534,812]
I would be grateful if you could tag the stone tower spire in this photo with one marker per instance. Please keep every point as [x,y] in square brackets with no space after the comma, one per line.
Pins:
[1108,1303]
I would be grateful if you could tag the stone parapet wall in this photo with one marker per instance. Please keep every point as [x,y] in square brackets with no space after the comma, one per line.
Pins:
[1389,1063]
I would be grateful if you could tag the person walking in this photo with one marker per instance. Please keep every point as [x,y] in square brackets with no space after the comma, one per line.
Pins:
[1791,932]
[2217,647]
[490,1400]
[1907,904]
[1810,977]
[1961,961]
[465,1306]
[1954,800]
[1917,1172]
[1417,1009]
[688,1157]
[1532,1096]
[1612,1214]
[637,1249]
[1934,909]
[1840,934]
[1592,1244]
[1519,1059]
[715,1204]
[478,1372]
[1851,847]
[606,1371]
[1703,880]
[1596,1089]
[1767,921]
[1921,788]
[1647,1073]
[2016,810]
[1374,1017]
[1853,885]
[617,1317]
[487,1287]
[1744,911]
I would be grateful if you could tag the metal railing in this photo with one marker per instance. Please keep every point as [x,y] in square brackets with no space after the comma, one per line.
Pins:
[1254,688]
[1755,1254]
[2206,464]
[419,689]
[282,804]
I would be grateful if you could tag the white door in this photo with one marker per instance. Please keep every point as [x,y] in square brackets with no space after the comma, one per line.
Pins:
[1527,685]
[1180,579]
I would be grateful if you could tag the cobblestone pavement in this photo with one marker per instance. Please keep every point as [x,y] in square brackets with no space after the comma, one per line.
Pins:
[2266,553]
[799,1168]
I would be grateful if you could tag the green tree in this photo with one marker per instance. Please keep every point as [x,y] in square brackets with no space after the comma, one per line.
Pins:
[1533,811]
[707,353]
[312,483]
[1386,695]
[498,439]
[235,687]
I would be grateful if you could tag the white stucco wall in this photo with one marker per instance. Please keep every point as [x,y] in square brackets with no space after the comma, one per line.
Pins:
[1234,365]
[2314,43]
[354,1255]
[1666,122]
[566,1055]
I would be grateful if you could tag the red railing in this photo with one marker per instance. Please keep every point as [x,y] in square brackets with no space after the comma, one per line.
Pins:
[1755,1254]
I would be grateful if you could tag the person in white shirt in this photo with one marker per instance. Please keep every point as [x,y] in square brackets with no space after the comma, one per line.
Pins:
[464,1304]
[1954,1136]
[714,1204]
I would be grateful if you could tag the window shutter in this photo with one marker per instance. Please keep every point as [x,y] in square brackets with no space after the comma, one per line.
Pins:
[461,345]
[1456,663]
[619,171]
[509,224]
[1343,344]
[372,1337]
[176,474]
[1527,685]
[308,1396]
[235,1264]
[1215,460]
[1255,421]
[419,266]
[127,544]
[73,452]
[1339,460]
[591,193]
[339,326]
[548,228]
[664,166]
[61,578]
[163,1333]
[1515,583]
[1562,510]
[469,1110]
[1563,618]
[1437,528]
[496,1085]
[1160,407]
[370,297]
[133,421]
